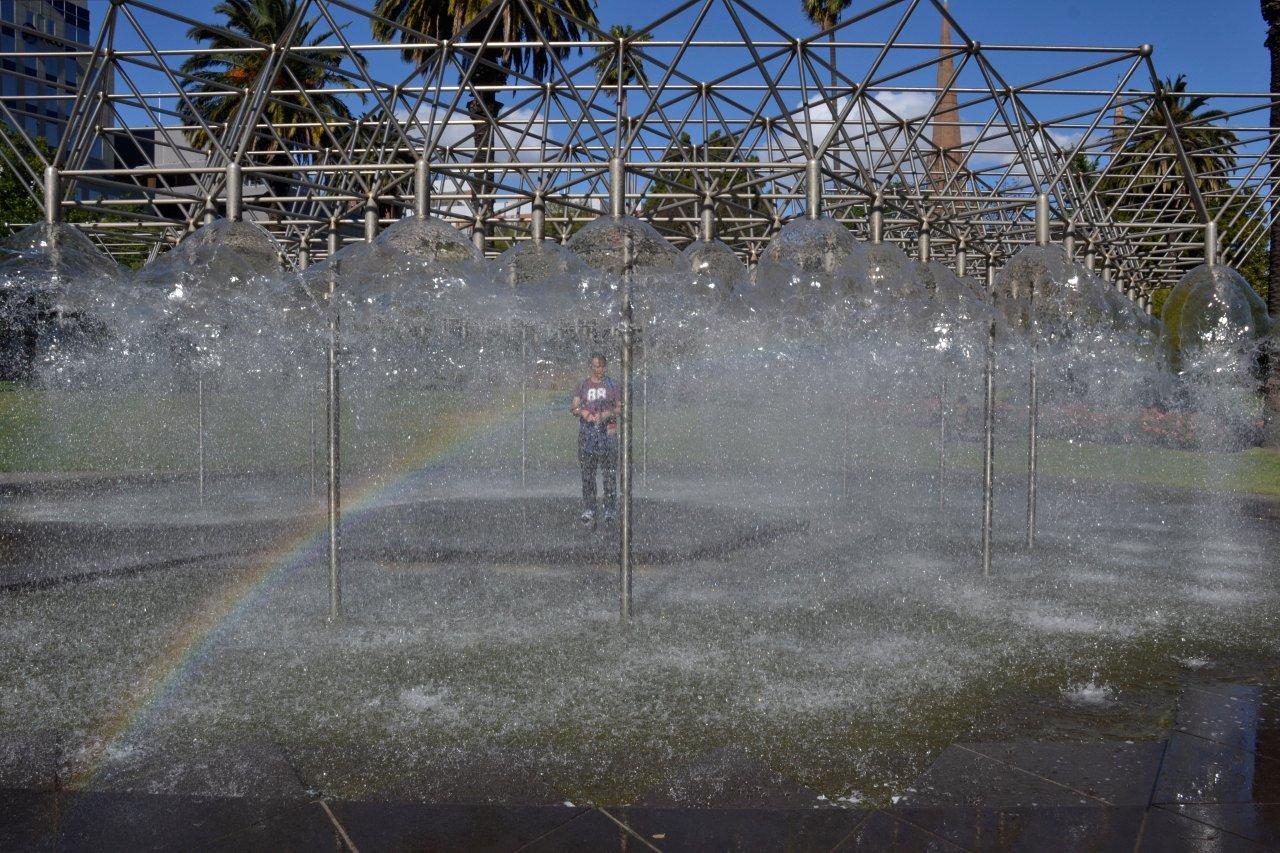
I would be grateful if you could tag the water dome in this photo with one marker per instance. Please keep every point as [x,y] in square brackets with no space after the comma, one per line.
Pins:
[428,244]
[715,269]
[807,261]
[54,250]
[56,283]
[883,275]
[1067,298]
[221,251]
[1214,305]
[600,245]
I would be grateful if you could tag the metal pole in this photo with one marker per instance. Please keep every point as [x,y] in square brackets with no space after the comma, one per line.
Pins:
[200,438]
[644,410]
[926,234]
[538,221]
[942,443]
[52,195]
[617,188]
[1042,219]
[962,257]
[1069,240]
[524,407]
[1210,243]
[1033,391]
[708,218]
[988,427]
[421,189]
[333,423]
[813,188]
[877,220]
[628,342]
[235,192]
[370,220]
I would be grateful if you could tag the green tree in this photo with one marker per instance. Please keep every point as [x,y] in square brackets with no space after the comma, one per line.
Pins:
[1271,15]
[218,79]
[556,21]
[18,194]
[732,193]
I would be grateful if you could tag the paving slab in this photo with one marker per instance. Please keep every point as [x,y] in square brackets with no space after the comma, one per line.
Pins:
[883,832]
[1086,828]
[960,777]
[1165,831]
[728,777]
[1257,823]
[1118,774]
[594,829]
[429,827]
[697,830]
[1196,770]
[72,821]
[1244,716]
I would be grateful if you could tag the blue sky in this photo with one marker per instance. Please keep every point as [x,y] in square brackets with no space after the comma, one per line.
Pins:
[1217,44]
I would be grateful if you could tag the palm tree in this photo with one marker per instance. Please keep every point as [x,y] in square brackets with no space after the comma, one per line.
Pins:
[606,63]
[552,20]
[826,14]
[1145,159]
[215,81]
[1271,14]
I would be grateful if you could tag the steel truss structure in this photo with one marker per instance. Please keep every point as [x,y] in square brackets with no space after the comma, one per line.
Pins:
[898,122]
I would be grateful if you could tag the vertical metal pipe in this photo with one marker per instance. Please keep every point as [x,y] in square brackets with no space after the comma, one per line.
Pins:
[1211,243]
[235,192]
[644,410]
[333,429]
[1069,240]
[617,187]
[988,427]
[524,407]
[962,257]
[370,220]
[421,189]
[942,444]
[52,195]
[1090,257]
[311,476]
[926,240]
[877,220]
[200,438]
[813,188]
[1033,389]
[628,343]
[538,220]
[708,218]
[1042,219]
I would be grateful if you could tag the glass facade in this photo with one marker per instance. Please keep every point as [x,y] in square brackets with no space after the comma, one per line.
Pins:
[38,91]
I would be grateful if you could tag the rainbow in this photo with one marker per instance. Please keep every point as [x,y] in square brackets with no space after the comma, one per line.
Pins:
[162,678]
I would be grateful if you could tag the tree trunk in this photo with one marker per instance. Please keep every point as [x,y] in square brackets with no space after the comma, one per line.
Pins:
[1271,12]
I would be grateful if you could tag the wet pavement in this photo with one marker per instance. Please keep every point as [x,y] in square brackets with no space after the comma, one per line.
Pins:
[1212,783]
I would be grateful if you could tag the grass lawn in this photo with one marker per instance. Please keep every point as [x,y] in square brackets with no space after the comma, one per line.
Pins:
[42,431]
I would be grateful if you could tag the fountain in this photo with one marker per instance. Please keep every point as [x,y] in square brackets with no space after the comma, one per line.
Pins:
[807,569]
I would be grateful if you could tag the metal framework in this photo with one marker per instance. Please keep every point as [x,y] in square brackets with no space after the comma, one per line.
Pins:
[897,122]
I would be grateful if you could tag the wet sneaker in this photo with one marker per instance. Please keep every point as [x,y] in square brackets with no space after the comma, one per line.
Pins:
[588,516]
[610,515]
